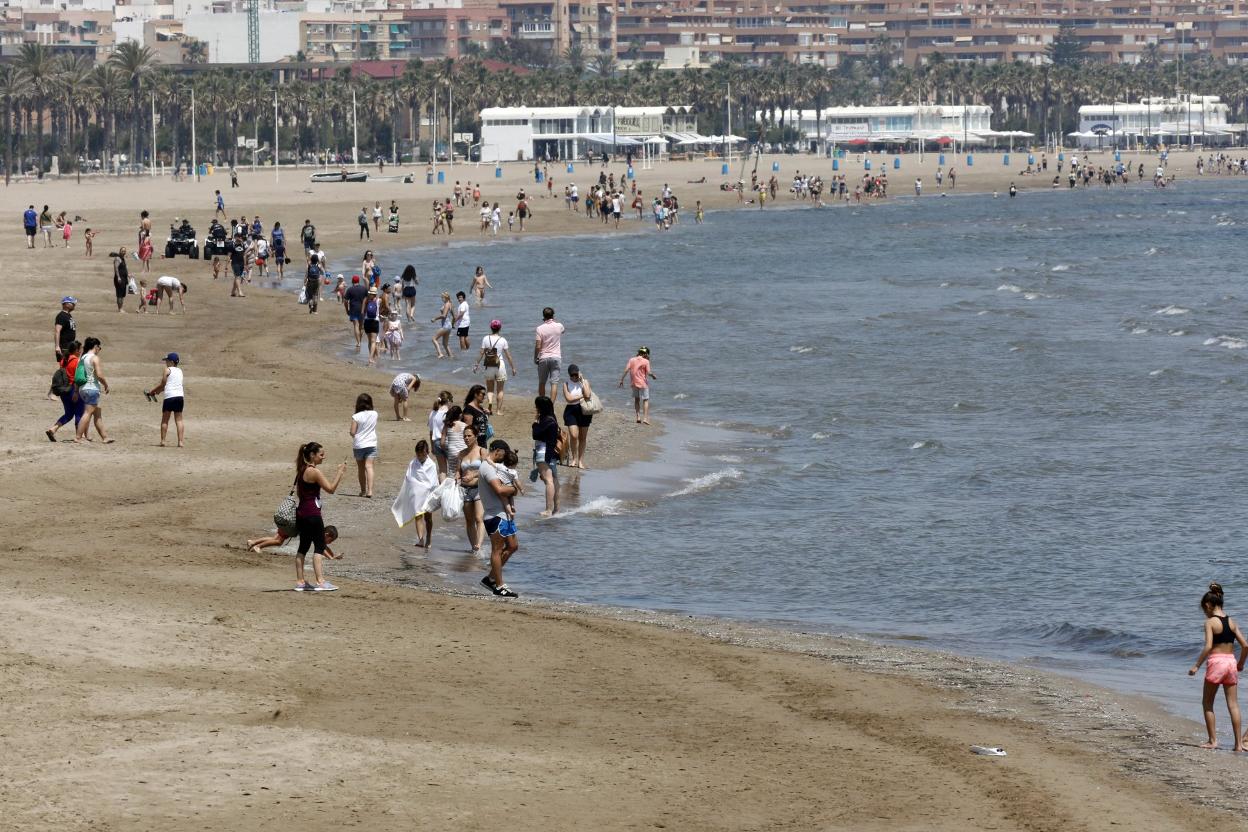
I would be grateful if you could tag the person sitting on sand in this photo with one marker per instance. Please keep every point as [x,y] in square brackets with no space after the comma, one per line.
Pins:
[1221,668]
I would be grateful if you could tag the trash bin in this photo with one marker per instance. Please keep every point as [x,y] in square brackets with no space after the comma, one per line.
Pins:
[441,176]
[498,172]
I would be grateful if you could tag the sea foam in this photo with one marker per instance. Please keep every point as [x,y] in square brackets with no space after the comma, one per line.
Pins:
[708,481]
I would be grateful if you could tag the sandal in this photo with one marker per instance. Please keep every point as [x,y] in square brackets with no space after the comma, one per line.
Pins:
[51,436]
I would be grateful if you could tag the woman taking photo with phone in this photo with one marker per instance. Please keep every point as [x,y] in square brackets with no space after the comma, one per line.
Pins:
[309,483]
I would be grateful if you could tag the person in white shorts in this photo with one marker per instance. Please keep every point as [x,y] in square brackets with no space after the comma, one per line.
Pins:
[494,350]
[168,287]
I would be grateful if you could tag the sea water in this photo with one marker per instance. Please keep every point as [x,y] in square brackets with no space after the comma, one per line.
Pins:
[1010,427]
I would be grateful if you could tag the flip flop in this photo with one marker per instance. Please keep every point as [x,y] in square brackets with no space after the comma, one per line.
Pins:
[51,436]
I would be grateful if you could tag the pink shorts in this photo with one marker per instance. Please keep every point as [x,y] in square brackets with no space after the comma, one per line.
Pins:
[1221,669]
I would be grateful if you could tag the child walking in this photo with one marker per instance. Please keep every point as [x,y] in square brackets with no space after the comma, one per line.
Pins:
[1221,668]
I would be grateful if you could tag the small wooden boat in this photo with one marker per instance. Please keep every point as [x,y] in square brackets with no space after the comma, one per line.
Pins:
[341,176]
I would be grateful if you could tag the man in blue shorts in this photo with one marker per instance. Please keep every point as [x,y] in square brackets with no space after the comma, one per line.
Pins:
[496,489]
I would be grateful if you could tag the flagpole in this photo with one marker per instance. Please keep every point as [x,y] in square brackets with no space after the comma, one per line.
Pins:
[194,155]
[153,134]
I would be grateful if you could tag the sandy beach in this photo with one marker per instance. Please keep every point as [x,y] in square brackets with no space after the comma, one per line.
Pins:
[159,677]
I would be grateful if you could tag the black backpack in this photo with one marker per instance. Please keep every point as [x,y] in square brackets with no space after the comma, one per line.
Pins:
[62,384]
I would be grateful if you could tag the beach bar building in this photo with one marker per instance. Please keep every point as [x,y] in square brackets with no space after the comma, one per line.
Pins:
[1185,120]
[895,124]
[528,133]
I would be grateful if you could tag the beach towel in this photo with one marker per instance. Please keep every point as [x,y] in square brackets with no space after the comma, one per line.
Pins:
[416,496]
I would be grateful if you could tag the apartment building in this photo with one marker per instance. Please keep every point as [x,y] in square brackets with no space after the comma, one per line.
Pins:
[355,37]
[987,31]
[559,25]
[82,32]
[448,32]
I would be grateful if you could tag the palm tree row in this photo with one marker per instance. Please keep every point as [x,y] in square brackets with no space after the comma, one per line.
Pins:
[100,114]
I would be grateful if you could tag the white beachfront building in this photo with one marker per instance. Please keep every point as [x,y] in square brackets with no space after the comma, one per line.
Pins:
[528,133]
[899,123]
[1188,119]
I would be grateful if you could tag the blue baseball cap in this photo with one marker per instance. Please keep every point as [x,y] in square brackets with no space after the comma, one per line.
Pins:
[173,356]
[69,299]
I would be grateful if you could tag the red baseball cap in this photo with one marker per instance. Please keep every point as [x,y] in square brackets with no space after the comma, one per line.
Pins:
[355,278]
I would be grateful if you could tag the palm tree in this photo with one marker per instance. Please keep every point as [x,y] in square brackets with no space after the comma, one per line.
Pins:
[133,60]
[13,87]
[196,52]
[573,58]
[38,66]
[107,88]
[603,65]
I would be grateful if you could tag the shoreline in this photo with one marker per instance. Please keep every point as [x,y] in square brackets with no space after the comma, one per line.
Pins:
[439,581]
[198,694]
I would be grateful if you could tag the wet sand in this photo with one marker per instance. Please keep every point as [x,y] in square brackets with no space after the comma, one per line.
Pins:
[161,678]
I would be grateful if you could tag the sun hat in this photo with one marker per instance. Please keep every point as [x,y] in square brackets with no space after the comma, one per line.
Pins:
[372,290]
[173,356]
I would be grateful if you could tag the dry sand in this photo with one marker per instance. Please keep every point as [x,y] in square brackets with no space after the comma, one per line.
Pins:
[156,677]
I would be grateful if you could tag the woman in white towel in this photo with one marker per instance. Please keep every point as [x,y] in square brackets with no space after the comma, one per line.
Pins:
[418,483]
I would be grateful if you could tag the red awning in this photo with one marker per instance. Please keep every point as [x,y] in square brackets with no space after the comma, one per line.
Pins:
[857,141]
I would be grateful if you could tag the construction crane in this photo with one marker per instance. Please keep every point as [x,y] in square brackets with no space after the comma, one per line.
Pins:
[253,31]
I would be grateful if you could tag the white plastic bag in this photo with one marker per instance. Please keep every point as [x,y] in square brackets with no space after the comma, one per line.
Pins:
[303,295]
[452,497]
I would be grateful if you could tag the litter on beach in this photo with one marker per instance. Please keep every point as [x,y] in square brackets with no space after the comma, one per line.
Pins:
[988,750]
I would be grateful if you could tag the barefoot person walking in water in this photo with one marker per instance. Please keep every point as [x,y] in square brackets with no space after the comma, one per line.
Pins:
[637,372]
[1221,668]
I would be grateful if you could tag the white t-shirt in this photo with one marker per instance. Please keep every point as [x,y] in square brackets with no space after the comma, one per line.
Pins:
[495,342]
[167,282]
[173,384]
[365,429]
[461,312]
[437,419]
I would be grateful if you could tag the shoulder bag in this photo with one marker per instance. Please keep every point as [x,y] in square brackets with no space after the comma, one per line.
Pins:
[284,517]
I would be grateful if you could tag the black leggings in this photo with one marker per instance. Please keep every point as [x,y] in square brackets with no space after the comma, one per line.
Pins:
[311,534]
